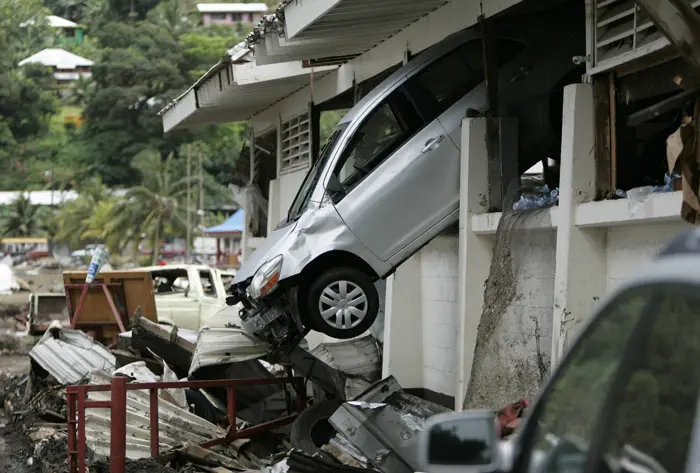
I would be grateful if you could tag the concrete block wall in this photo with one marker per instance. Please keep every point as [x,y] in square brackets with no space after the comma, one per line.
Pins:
[439,313]
[630,247]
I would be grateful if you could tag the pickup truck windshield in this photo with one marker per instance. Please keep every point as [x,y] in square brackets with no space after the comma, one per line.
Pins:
[307,187]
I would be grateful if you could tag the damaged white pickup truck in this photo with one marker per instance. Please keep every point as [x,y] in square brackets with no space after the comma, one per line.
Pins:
[188,295]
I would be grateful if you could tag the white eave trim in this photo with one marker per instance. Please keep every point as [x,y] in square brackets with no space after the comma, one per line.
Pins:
[303,14]
[235,92]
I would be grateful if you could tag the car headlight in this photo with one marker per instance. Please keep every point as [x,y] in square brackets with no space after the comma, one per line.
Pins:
[266,278]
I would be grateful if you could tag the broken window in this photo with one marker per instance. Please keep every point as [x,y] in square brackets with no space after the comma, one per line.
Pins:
[170,281]
[207,281]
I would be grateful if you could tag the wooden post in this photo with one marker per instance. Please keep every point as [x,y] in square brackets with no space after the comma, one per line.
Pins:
[613,132]
[601,91]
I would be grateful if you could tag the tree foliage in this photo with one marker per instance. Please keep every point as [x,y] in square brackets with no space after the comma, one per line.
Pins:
[142,62]
[22,219]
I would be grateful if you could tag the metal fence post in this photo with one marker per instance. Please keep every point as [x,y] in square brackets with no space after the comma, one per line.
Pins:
[155,434]
[72,446]
[117,450]
[82,447]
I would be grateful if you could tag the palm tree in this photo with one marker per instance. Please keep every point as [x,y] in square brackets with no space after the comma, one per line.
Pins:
[73,219]
[156,207]
[22,219]
[175,16]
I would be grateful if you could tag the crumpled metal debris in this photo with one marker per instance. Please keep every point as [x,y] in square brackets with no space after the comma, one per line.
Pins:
[69,355]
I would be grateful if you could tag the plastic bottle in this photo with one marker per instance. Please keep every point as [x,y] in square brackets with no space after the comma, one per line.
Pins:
[99,257]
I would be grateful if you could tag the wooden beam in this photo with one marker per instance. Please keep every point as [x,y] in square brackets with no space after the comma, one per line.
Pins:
[613,132]
[601,98]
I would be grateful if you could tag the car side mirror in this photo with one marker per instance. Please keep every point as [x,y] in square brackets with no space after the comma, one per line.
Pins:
[465,442]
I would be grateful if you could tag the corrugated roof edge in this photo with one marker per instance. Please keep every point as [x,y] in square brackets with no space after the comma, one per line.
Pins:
[234,55]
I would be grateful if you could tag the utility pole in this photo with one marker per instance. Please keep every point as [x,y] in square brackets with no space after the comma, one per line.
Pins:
[201,187]
[189,206]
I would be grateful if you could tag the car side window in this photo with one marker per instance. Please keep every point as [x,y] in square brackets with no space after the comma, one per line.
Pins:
[442,83]
[207,281]
[565,418]
[386,129]
[653,416]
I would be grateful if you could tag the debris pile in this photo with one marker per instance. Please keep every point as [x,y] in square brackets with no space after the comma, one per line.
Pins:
[354,422]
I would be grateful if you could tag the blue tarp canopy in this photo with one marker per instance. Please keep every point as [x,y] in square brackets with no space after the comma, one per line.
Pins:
[233,224]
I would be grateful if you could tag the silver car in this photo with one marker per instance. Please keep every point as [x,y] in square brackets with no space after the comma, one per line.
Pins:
[387,180]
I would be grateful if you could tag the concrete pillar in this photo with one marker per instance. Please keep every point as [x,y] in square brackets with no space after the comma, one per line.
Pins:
[580,276]
[475,251]
[403,331]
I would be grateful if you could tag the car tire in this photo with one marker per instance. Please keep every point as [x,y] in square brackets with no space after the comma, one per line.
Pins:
[311,429]
[346,290]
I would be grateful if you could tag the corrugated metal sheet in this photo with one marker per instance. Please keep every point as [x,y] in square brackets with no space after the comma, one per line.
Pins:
[176,425]
[358,357]
[69,355]
[217,346]
[349,28]
[359,360]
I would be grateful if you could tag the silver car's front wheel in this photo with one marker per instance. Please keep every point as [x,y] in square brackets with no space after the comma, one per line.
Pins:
[342,303]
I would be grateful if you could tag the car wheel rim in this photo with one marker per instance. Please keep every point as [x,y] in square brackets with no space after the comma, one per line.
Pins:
[343,305]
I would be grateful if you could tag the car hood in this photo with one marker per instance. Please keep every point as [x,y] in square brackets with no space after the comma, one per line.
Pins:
[265,252]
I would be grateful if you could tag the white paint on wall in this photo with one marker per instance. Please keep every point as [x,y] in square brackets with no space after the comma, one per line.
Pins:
[439,308]
[632,246]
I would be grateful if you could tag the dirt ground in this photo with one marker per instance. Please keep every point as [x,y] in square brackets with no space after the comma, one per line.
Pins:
[15,446]
[18,454]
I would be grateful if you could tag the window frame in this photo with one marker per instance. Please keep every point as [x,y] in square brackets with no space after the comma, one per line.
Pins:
[202,276]
[406,115]
[617,388]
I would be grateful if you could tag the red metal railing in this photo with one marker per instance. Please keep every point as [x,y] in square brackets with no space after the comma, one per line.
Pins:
[78,402]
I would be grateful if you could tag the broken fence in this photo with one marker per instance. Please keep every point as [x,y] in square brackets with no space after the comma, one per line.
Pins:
[78,402]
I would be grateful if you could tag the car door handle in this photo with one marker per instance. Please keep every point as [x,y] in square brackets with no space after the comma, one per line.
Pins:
[433,143]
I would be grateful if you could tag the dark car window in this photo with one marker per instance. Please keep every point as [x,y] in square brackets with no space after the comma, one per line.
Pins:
[386,128]
[442,83]
[565,419]
[654,414]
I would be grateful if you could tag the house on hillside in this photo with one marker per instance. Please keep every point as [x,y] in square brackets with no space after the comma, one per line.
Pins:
[67,31]
[67,67]
[231,13]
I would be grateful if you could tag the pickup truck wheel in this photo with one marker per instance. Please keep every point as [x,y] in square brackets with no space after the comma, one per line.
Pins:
[342,303]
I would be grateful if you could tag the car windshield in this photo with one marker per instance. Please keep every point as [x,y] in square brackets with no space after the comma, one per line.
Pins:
[307,187]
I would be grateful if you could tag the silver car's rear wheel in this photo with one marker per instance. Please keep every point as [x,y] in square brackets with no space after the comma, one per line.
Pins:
[343,305]
[342,302]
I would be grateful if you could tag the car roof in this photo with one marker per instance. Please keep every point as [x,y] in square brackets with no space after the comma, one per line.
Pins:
[435,51]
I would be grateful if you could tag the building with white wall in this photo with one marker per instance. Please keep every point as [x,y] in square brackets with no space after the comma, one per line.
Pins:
[231,13]
[443,333]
